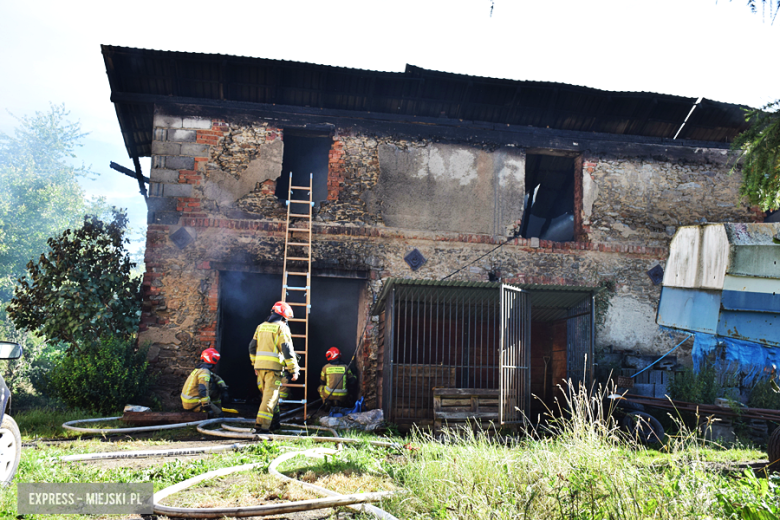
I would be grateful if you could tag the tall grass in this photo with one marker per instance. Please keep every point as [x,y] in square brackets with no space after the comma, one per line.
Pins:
[578,466]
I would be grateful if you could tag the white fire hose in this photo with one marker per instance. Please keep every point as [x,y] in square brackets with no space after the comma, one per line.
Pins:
[334,499]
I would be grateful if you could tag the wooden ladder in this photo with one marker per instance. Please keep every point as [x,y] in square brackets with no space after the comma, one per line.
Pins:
[296,278]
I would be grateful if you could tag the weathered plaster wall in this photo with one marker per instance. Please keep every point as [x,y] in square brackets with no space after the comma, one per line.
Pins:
[213,186]
[442,187]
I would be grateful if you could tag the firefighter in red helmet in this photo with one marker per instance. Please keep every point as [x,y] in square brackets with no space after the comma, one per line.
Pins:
[336,379]
[271,351]
[201,392]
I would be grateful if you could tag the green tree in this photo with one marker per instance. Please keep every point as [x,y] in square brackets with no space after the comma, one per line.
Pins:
[760,159]
[82,288]
[39,191]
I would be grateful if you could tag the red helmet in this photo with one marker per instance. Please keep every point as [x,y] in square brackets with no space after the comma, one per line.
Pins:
[210,355]
[283,310]
[332,354]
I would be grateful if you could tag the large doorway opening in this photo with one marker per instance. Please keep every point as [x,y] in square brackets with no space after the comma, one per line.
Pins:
[245,300]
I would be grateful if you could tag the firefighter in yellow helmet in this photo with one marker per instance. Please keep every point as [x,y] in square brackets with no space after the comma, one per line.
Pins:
[336,378]
[270,351]
[202,384]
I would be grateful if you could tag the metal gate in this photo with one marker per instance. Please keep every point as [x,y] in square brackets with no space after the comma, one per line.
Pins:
[579,343]
[515,356]
[437,337]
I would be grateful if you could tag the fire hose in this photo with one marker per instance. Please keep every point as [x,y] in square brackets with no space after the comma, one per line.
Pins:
[355,501]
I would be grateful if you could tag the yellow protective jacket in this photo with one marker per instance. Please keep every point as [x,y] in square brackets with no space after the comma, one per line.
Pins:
[197,387]
[271,347]
[335,376]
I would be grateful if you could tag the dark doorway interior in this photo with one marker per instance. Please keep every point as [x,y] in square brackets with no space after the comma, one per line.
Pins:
[245,302]
[549,201]
[304,155]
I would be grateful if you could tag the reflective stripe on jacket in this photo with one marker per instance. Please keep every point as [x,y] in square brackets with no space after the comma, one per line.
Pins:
[273,347]
[198,385]
[334,377]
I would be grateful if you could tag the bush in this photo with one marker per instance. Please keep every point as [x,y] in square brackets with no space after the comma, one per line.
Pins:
[702,387]
[103,377]
[763,396]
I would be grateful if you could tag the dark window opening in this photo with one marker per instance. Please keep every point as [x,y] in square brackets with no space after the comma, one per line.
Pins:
[548,211]
[304,155]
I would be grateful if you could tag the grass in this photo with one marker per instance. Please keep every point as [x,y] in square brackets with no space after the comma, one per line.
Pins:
[579,467]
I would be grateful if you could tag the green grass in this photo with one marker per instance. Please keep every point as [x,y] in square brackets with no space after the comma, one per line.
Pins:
[581,468]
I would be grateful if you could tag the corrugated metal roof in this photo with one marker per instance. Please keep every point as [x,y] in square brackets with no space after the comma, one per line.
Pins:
[548,302]
[416,92]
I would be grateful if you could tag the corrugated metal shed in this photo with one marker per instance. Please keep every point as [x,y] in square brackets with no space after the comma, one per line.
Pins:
[724,279]
[548,302]
[138,76]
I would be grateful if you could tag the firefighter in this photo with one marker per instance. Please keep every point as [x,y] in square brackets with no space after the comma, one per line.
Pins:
[270,351]
[336,379]
[202,384]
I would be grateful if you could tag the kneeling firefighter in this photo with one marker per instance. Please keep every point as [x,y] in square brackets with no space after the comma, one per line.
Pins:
[270,351]
[203,387]
[336,378]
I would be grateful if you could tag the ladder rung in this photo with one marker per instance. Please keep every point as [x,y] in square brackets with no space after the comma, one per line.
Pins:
[298,335]
[298,258]
[301,352]
[295,385]
[302,289]
[298,229]
[284,401]
[293,273]
[293,304]
[307,188]
[302,320]
[303,244]
[299,201]
[296,215]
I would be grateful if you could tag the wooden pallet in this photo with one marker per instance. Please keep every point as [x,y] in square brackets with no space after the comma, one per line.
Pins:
[464,408]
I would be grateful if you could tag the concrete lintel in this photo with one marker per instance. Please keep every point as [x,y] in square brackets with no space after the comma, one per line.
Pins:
[163,121]
[197,123]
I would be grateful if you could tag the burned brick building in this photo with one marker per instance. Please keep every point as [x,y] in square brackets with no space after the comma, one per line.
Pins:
[432,191]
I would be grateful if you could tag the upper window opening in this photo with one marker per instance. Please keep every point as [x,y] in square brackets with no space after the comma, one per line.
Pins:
[304,155]
[548,212]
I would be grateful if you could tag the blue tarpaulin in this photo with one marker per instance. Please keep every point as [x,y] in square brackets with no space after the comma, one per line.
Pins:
[752,359]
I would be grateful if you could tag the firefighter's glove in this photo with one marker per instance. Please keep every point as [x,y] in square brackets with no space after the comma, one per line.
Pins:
[225,397]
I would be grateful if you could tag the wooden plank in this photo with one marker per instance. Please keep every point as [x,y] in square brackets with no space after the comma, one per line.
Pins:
[467,415]
[451,409]
[448,401]
[540,138]
[465,391]
[153,418]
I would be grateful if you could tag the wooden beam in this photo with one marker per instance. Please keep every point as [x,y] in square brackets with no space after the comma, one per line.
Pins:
[442,128]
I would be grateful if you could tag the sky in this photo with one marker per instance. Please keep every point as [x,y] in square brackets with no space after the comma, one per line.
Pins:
[51,51]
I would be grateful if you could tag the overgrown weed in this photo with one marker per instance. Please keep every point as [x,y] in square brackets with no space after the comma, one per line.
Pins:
[576,465]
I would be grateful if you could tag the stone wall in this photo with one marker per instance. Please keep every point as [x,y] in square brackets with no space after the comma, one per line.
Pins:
[645,201]
[212,204]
